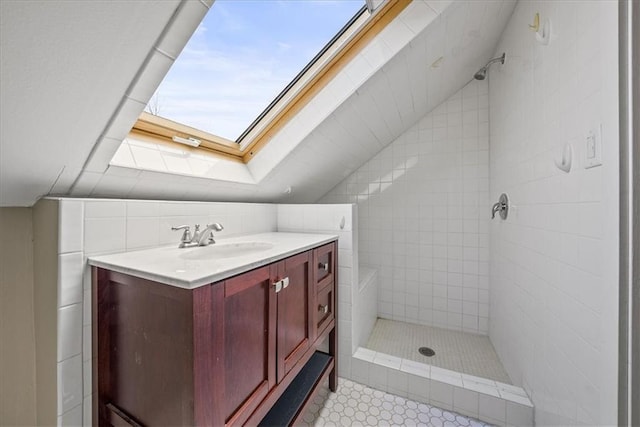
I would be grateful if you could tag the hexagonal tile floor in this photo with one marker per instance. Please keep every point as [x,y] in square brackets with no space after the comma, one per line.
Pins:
[357,405]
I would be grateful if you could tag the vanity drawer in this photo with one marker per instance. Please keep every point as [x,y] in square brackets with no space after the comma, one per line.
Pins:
[324,308]
[325,264]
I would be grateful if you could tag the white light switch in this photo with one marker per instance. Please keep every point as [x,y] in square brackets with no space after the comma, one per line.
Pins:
[593,148]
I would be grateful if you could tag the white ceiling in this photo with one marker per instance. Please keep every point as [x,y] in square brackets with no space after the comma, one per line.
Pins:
[67,68]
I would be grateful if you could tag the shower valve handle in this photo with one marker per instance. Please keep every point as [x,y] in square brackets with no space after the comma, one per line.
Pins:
[501,207]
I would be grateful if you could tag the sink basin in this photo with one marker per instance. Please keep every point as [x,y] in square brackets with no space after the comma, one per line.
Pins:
[225,250]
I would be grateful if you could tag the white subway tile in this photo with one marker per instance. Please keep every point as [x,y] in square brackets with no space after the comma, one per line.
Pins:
[104,209]
[360,370]
[493,408]
[70,276]
[442,393]
[378,376]
[69,331]
[483,388]
[71,418]
[104,235]
[137,208]
[398,383]
[71,225]
[142,233]
[418,388]
[519,415]
[69,384]
[416,368]
[365,354]
[387,360]
[465,401]
[515,398]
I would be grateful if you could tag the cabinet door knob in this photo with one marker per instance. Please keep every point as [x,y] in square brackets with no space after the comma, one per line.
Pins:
[285,282]
[324,266]
[324,309]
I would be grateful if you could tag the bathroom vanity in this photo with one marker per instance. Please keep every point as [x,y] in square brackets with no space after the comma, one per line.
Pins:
[227,334]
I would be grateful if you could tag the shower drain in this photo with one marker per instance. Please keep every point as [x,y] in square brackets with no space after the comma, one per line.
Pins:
[426,351]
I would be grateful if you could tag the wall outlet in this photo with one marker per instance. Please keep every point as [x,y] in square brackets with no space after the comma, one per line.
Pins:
[593,147]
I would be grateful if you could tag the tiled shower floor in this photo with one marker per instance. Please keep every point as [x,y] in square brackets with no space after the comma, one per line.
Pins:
[458,351]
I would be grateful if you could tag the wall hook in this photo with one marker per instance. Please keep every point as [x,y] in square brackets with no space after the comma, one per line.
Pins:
[543,35]
[536,23]
[564,164]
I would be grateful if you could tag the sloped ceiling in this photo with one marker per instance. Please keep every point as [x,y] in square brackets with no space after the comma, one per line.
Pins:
[66,66]
[405,89]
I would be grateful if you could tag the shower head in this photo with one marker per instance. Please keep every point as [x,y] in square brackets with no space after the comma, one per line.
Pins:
[482,72]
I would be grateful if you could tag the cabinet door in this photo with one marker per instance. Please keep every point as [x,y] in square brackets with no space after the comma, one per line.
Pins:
[294,320]
[248,342]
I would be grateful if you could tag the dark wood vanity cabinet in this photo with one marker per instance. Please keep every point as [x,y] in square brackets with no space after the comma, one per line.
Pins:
[220,354]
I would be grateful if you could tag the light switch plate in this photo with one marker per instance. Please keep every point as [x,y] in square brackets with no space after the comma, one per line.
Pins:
[593,147]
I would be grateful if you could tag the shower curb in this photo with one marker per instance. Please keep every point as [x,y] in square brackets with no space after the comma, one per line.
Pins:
[487,400]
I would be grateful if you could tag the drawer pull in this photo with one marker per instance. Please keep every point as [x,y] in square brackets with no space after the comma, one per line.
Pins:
[324,309]
[281,284]
[278,286]
[324,266]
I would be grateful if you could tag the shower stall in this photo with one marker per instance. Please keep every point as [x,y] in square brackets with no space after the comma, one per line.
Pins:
[512,314]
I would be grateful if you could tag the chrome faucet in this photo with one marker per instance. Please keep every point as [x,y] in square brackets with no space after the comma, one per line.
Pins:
[206,237]
[198,238]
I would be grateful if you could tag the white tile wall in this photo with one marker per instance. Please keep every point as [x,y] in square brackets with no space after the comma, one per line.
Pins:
[92,226]
[423,215]
[73,417]
[553,261]
[70,269]
[365,305]
[70,331]
[69,384]
[70,236]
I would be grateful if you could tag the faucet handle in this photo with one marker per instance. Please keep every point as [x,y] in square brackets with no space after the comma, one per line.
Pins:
[186,235]
[502,207]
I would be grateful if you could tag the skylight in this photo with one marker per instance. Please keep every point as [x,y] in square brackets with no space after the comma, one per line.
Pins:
[242,56]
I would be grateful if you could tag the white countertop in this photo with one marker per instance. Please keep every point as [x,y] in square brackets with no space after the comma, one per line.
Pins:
[190,268]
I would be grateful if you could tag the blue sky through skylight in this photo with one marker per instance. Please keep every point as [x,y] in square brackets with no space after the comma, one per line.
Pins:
[242,56]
